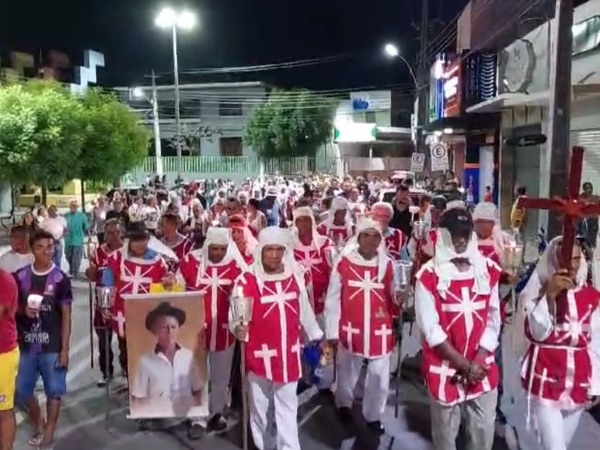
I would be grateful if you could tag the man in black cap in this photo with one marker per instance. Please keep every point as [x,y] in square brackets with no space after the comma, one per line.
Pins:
[170,373]
[458,312]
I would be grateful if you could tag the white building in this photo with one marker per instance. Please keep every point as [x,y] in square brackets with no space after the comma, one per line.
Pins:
[523,99]
[213,115]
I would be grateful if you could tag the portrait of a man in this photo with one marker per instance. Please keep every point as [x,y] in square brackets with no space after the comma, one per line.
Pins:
[169,373]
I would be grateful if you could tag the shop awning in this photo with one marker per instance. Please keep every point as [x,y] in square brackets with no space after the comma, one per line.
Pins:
[499,102]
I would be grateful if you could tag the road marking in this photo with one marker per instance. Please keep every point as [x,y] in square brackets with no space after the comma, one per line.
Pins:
[308,415]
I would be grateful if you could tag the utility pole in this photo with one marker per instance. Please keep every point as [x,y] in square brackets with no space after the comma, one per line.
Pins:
[156,126]
[558,146]
[421,92]
[177,102]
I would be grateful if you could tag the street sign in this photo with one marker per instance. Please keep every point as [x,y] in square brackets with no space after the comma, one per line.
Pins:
[526,141]
[439,157]
[417,162]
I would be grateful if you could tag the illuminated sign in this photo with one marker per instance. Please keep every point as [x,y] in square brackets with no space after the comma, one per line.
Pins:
[436,89]
[453,88]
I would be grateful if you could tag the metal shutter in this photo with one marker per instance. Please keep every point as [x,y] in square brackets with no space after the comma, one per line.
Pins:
[590,141]
[527,173]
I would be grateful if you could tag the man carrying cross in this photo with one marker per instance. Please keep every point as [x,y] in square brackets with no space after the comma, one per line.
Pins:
[559,326]
[458,312]
[359,310]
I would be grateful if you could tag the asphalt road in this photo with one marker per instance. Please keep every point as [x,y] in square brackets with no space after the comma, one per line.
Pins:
[83,422]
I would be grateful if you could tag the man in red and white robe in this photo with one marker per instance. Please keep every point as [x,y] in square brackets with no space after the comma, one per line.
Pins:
[561,328]
[273,338]
[213,270]
[338,225]
[243,237]
[98,262]
[359,312]
[311,251]
[395,240]
[177,242]
[135,269]
[458,314]
[489,236]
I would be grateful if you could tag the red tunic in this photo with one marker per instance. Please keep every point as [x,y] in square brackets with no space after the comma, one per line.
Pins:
[314,260]
[132,276]
[216,282]
[463,317]
[394,242]
[181,249]
[561,364]
[100,258]
[336,233]
[274,340]
[367,309]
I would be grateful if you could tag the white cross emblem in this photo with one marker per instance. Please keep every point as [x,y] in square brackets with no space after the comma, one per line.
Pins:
[138,280]
[308,261]
[383,332]
[543,379]
[574,328]
[466,307]
[349,333]
[366,285]
[266,354]
[445,373]
[120,319]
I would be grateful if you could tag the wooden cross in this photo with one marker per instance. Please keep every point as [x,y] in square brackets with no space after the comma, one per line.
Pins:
[572,207]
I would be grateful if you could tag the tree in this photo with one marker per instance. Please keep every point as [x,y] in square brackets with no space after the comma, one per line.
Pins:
[114,140]
[40,133]
[291,123]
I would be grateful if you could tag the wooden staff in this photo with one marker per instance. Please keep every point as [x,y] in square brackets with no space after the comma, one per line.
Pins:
[244,397]
[91,289]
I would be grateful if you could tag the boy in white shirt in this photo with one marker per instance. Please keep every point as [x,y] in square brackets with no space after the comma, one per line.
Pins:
[19,254]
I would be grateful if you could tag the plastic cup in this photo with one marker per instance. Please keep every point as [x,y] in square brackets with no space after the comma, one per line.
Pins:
[34,301]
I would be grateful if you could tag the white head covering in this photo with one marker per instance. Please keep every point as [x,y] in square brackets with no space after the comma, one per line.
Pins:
[445,268]
[306,211]
[351,249]
[280,237]
[220,236]
[488,211]
[338,204]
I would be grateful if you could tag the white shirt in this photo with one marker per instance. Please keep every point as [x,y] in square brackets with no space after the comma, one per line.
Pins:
[157,379]
[56,226]
[12,261]
[151,216]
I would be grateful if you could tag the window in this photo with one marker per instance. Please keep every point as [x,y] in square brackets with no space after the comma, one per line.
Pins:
[370,117]
[228,108]
[231,146]
[191,108]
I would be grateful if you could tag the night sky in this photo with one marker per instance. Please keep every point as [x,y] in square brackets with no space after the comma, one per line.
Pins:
[230,33]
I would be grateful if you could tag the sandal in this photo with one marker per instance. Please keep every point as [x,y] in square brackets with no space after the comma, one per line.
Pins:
[36,439]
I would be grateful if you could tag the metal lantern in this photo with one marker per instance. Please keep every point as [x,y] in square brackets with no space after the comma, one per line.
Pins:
[241,306]
[402,273]
[420,230]
[512,256]
[105,297]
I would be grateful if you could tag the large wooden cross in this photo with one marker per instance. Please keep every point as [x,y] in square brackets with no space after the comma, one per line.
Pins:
[572,207]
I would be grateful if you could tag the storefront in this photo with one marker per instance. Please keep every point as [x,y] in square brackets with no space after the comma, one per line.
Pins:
[472,139]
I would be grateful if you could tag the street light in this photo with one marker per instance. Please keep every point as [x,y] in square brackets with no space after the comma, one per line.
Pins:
[392,51]
[186,20]
[138,93]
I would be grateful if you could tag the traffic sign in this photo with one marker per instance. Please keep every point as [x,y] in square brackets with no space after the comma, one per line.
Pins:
[417,162]
[439,157]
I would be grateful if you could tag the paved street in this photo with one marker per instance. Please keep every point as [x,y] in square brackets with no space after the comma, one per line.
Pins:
[83,426]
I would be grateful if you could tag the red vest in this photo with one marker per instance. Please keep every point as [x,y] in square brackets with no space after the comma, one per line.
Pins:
[561,364]
[315,259]
[273,350]
[367,309]
[216,282]
[132,276]
[335,233]
[394,242]
[100,258]
[463,317]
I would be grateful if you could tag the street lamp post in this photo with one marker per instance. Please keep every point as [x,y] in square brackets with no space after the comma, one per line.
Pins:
[186,20]
[392,51]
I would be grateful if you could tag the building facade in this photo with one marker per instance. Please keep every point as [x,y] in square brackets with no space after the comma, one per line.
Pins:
[524,68]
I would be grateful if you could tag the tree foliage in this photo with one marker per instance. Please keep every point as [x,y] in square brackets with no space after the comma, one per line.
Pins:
[48,135]
[291,123]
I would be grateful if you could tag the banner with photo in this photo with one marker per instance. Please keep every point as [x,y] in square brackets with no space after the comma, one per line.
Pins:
[166,355]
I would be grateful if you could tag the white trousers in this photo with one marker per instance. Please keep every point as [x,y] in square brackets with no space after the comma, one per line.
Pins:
[220,372]
[555,427]
[266,399]
[377,383]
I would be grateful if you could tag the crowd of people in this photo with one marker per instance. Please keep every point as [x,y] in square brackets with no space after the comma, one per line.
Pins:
[319,261]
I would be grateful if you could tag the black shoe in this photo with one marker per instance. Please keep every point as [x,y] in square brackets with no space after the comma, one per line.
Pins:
[195,431]
[102,382]
[345,415]
[217,423]
[376,427]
